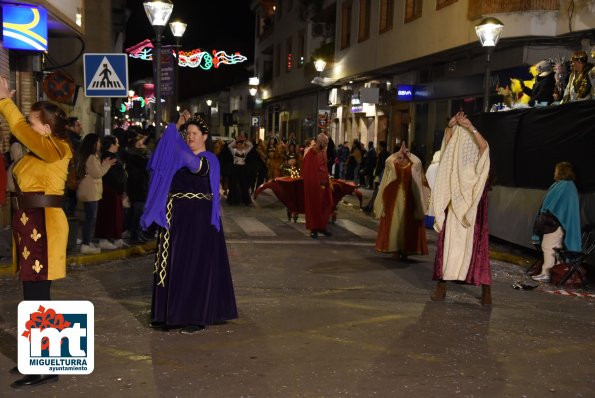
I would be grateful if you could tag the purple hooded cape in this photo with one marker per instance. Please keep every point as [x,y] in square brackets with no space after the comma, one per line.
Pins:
[172,154]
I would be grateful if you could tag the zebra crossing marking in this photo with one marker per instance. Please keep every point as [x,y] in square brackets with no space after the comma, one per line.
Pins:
[356,229]
[252,227]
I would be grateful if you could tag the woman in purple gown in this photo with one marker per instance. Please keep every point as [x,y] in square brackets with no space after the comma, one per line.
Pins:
[192,286]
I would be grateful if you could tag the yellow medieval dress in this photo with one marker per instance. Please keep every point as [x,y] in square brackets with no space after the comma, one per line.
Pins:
[40,234]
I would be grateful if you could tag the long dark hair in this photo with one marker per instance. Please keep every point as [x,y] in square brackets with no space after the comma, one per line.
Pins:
[107,141]
[88,147]
[204,129]
[53,116]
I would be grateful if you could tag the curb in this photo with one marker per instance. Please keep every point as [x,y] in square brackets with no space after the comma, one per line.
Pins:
[139,250]
[76,259]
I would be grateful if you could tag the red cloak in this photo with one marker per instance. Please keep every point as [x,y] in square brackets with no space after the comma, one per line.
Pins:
[318,199]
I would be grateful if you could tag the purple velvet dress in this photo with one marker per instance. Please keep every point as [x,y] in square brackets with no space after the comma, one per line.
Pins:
[479,272]
[193,284]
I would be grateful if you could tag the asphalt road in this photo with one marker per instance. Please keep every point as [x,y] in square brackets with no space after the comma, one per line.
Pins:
[323,318]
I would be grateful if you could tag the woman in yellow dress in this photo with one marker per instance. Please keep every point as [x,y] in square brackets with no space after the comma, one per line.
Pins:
[40,229]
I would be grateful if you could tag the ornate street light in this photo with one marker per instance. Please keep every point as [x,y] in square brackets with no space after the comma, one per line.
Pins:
[253,82]
[177,29]
[488,32]
[209,104]
[319,65]
[158,12]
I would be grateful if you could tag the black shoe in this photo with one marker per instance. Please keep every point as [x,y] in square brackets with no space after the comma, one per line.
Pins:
[33,380]
[314,235]
[189,329]
[326,233]
[158,325]
[14,371]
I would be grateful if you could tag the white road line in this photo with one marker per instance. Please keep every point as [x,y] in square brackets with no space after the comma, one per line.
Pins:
[356,229]
[320,241]
[252,227]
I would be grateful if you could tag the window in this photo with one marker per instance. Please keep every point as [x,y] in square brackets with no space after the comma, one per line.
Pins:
[412,9]
[301,42]
[385,22]
[364,20]
[288,57]
[278,60]
[346,25]
[443,3]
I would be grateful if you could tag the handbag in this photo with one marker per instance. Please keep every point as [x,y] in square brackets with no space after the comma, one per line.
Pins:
[545,223]
[576,280]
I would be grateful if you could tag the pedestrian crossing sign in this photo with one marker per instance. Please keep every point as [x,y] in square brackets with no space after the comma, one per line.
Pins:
[106,75]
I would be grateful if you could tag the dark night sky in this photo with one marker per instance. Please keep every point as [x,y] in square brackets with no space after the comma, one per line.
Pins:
[212,25]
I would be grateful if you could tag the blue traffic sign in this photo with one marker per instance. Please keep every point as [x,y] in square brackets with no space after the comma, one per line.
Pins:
[106,75]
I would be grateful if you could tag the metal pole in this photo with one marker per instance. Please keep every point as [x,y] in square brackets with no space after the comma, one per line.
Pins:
[158,30]
[177,94]
[486,84]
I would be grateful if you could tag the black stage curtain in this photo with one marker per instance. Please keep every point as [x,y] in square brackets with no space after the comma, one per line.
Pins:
[526,144]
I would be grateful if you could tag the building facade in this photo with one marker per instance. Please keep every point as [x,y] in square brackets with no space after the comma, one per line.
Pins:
[425,50]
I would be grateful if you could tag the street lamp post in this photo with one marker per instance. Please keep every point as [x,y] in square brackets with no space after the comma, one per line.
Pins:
[319,65]
[209,103]
[488,32]
[158,12]
[177,29]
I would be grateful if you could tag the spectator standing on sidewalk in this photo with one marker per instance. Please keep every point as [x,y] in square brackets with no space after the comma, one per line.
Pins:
[110,209]
[75,130]
[90,188]
[343,155]
[40,229]
[371,158]
[460,202]
[137,184]
[378,172]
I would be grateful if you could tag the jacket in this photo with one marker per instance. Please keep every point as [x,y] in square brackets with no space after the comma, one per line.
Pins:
[91,187]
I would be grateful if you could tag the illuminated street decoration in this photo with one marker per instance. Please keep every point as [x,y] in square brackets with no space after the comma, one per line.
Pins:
[194,59]
[143,101]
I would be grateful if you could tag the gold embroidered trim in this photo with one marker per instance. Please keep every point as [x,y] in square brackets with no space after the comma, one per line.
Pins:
[190,195]
[163,247]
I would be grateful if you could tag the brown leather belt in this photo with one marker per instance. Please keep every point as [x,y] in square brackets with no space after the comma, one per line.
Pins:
[35,201]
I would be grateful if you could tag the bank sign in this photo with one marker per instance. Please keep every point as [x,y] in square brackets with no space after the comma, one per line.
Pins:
[56,337]
[24,27]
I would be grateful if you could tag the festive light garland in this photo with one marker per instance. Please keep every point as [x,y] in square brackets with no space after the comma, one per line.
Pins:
[193,59]
[143,101]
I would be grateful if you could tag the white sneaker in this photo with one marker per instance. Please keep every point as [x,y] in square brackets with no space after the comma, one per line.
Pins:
[106,244]
[87,249]
[120,244]
[541,278]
